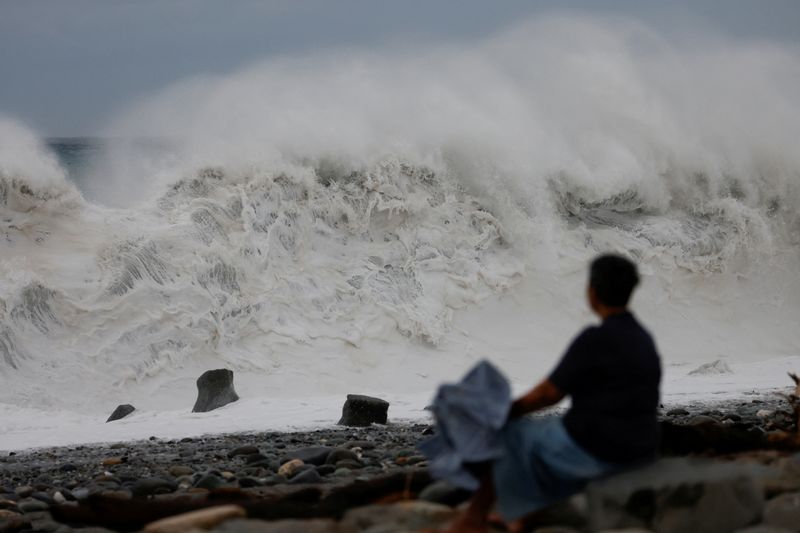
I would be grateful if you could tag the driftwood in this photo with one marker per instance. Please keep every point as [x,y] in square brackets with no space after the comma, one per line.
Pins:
[266,504]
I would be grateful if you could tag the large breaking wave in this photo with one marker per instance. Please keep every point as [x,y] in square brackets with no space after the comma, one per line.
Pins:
[311,204]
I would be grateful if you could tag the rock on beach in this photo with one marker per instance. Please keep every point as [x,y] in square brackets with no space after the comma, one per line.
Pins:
[361,411]
[214,389]
[121,412]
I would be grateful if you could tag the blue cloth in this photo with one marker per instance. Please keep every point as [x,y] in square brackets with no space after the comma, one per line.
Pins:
[469,416]
[541,465]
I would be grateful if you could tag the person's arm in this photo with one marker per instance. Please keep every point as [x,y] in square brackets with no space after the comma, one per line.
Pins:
[542,395]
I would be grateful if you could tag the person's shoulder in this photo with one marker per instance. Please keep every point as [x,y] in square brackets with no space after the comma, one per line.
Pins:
[587,335]
[641,327]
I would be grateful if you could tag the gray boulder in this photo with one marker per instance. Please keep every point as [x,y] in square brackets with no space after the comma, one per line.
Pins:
[361,411]
[784,511]
[214,389]
[121,412]
[677,495]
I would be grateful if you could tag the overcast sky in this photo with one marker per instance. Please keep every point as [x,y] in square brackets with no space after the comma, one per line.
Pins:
[66,66]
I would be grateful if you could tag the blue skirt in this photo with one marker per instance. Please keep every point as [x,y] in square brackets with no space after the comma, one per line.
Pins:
[541,465]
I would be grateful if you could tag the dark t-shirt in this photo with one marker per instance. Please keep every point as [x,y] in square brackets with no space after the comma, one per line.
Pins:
[612,373]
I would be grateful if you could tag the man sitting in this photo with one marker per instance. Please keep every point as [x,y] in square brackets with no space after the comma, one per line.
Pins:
[611,372]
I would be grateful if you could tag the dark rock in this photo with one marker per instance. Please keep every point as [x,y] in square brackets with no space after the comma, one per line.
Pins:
[701,420]
[210,482]
[326,470]
[45,524]
[340,454]
[43,497]
[243,450]
[214,389]
[121,412]
[247,482]
[677,495]
[24,491]
[313,455]
[443,492]
[783,511]
[255,458]
[306,476]
[363,444]
[361,411]
[275,480]
[264,463]
[678,412]
[153,485]
[68,467]
[32,506]
[352,465]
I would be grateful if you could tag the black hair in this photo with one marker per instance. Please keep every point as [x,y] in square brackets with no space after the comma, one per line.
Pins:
[613,279]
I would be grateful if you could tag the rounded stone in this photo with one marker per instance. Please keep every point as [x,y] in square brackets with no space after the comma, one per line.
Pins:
[180,470]
[307,476]
[243,450]
[209,481]
[315,455]
[290,467]
[153,485]
[341,454]
[32,506]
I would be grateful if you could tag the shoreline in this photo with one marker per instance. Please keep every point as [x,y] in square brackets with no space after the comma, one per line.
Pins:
[340,470]
[769,399]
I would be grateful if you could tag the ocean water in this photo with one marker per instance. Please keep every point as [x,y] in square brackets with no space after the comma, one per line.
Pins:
[353,222]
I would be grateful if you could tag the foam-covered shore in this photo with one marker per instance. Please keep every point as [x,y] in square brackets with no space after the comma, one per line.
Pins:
[25,428]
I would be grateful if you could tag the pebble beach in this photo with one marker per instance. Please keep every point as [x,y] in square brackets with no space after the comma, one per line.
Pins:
[336,479]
